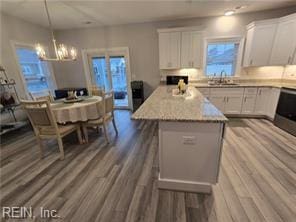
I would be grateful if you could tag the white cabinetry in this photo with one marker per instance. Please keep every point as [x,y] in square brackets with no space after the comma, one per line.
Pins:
[191,49]
[260,38]
[227,100]
[262,101]
[285,41]
[273,101]
[169,50]
[249,100]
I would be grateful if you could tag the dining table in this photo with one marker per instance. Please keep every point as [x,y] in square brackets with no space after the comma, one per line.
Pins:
[84,109]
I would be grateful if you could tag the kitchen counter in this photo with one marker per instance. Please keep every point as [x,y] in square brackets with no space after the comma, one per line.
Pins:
[190,134]
[276,85]
[162,105]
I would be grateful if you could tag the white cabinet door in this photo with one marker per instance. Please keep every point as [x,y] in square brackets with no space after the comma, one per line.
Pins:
[191,49]
[262,101]
[218,102]
[248,105]
[164,50]
[169,50]
[259,44]
[285,43]
[233,104]
[273,101]
[175,44]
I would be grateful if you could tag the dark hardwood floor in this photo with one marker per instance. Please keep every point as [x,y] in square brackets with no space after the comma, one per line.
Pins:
[117,182]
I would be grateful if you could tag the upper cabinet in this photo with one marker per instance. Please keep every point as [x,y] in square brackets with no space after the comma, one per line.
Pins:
[260,38]
[169,50]
[191,49]
[180,48]
[284,42]
[271,42]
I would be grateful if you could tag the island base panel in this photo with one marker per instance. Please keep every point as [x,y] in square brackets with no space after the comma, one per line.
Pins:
[189,155]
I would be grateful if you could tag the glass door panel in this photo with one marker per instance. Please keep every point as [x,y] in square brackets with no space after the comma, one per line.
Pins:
[119,80]
[100,73]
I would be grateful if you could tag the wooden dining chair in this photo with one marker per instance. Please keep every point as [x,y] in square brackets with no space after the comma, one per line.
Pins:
[45,125]
[48,97]
[106,110]
[95,91]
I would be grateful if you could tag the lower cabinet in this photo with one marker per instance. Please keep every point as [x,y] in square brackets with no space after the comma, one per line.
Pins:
[262,101]
[248,105]
[247,101]
[218,102]
[233,104]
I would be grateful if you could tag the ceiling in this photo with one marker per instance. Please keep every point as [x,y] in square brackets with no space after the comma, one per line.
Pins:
[67,14]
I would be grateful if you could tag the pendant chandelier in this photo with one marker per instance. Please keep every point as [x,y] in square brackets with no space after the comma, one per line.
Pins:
[62,52]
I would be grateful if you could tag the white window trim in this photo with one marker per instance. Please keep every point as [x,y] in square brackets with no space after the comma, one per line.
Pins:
[107,52]
[237,39]
[15,44]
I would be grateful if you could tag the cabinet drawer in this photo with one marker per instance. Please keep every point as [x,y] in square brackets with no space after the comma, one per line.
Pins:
[227,91]
[251,91]
[204,91]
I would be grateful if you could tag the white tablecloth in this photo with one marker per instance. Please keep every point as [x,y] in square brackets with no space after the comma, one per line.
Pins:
[78,111]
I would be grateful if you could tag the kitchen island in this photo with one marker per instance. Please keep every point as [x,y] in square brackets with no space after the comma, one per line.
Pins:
[191,132]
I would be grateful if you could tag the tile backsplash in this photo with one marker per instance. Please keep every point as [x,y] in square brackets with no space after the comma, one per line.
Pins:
[252,73]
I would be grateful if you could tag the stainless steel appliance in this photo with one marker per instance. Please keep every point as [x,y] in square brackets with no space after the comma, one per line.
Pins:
[285,117]
[173,80]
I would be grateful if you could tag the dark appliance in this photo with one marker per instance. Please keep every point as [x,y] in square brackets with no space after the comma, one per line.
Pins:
[63,93]
[137,94]
[285,116]
[173,80]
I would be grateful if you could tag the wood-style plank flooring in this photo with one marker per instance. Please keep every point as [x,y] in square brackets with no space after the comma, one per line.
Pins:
[117,182]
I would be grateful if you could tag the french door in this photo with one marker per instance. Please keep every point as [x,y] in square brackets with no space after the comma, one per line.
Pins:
[109,71]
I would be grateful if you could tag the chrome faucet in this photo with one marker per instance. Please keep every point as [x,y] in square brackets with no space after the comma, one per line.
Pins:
[221,76]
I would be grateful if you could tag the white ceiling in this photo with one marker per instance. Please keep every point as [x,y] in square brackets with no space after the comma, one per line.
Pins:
[68,14]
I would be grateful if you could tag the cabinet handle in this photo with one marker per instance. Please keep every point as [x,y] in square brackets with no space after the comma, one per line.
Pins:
[259,92]
[224,99]
[289,59]
[227,99]
[251,61]
[192,64]
[245,99]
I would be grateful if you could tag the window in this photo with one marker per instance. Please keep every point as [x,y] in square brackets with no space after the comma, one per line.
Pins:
[221,57]
[37,75]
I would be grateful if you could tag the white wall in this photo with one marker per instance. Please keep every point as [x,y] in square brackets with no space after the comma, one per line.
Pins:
[14,29]
[142,40]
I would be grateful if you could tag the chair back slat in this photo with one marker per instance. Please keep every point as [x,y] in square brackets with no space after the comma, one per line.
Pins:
[39,114]
[109,102]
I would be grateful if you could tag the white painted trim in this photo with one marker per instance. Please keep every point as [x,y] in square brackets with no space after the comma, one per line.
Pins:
[182,185]
[239,39]
[107,52]
[14,44]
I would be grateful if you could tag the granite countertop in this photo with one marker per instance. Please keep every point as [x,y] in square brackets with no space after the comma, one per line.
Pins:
[276,85]
[163,106]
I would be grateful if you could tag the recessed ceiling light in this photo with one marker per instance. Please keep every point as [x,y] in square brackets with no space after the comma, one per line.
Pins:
[229,12]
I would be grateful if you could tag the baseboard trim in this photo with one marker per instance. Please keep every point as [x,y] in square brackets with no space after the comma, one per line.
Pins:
[187,186]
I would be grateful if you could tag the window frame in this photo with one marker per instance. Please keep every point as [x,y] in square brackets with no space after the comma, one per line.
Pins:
[15,45]
[224,39]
